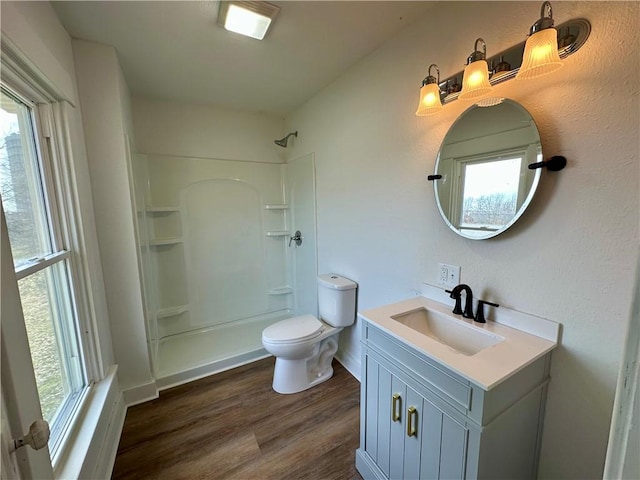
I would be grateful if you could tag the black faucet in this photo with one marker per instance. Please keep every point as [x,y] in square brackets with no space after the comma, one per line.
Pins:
[480,313]
[468,304]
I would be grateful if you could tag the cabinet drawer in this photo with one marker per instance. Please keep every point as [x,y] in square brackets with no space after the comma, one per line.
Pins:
[446,384]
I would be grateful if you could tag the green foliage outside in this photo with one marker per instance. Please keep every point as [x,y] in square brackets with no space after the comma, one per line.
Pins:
[42,342]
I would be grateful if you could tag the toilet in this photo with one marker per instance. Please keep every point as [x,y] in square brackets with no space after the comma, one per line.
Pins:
[304,346]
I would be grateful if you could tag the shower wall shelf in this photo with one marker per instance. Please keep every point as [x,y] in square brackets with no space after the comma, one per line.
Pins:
[171,311]
[156,242]
[276,206]
[161,209]
[281,291]
[278,233]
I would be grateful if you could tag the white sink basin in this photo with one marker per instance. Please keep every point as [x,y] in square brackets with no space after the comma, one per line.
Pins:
[485,354]
[447,330]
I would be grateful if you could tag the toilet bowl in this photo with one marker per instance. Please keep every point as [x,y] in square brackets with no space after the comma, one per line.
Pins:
[304,346]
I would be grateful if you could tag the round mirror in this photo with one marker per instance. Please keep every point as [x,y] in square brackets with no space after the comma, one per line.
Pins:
[485,184]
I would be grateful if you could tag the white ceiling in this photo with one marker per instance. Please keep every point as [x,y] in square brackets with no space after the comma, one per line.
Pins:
[176,50]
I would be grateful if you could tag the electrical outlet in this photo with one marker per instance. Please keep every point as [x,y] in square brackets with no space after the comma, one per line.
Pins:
[443,274]
[448,275]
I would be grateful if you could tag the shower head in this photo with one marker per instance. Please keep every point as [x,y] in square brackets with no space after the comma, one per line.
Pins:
[283,141]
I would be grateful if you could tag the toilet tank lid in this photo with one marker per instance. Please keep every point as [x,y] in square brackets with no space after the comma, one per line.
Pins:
[331,280]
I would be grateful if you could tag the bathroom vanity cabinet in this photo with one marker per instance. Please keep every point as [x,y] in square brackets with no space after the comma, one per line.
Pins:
[421,420]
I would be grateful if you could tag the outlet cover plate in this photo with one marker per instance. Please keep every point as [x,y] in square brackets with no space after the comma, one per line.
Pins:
[448,275]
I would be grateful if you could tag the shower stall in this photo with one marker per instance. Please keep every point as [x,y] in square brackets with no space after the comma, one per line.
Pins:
[218,258]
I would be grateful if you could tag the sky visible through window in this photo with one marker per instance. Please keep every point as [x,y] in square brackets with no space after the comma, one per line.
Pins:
[490,192]
[8,125]
[486,178]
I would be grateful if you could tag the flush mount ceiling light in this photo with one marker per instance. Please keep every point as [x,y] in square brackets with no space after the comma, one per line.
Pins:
[542,53]
[247,18]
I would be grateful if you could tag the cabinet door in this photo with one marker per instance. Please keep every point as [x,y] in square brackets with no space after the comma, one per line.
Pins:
[397,429]
[406,435]
[378,414]
[444,445]
[413,434]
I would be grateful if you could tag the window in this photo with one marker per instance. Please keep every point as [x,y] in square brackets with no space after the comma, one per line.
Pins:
[42,261]
[490,193]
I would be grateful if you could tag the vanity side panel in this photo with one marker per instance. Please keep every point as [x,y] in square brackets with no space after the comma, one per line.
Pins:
[488,405]
[509,447]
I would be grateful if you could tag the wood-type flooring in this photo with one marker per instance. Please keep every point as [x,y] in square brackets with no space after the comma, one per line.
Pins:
[234,426]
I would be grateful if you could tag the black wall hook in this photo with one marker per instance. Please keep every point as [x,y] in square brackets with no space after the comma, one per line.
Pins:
[554,164]
[433,177]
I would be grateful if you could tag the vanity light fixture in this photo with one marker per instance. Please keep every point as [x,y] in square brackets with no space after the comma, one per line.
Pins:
[523,60]
[541,50]
[490,101]
[502,68]
[430,102]
[249,18]
[475,80]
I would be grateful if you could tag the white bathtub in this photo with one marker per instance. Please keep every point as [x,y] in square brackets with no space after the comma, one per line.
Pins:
[188,356]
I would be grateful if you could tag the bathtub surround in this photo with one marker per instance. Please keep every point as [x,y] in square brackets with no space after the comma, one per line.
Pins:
[569,258]
[219,263]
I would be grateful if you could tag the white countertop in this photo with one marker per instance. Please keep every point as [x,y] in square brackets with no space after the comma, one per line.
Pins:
[488,367]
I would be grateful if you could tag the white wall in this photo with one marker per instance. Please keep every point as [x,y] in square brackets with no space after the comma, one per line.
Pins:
[569,259]
[107,118]
[204,131]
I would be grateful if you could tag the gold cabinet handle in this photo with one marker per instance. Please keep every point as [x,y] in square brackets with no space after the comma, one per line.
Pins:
[412,420]
[396,407]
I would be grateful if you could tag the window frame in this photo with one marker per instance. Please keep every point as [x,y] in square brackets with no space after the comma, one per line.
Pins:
[460,164]
[51,133]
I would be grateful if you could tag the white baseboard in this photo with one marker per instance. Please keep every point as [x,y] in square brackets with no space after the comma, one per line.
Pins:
[140,394]
[350,363]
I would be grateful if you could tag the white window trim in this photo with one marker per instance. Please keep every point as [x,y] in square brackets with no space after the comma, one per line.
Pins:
[25,81]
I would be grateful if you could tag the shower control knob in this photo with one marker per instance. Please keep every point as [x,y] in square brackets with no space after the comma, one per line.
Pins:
[296,237]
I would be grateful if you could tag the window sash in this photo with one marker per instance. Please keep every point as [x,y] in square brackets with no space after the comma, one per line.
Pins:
[61,287]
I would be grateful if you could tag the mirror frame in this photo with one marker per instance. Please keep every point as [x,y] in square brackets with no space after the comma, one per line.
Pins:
[527,199]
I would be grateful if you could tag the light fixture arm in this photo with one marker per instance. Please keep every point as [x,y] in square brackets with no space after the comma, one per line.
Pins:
[429,79]
[546,19]
[477,54]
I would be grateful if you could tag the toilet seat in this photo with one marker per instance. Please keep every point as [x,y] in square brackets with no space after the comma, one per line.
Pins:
[293,330]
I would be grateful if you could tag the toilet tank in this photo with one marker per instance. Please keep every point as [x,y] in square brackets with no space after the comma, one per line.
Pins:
[336,300]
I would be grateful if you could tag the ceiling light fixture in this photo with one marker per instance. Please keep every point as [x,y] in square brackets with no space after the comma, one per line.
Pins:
[248,18]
